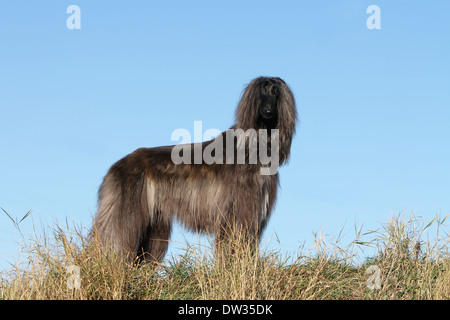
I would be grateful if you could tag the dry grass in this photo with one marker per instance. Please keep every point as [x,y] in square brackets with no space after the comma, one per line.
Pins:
[407,266]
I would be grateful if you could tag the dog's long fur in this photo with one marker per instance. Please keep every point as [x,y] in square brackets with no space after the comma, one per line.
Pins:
[143,192]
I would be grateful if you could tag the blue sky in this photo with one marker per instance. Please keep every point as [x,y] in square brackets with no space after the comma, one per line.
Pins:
[374,105]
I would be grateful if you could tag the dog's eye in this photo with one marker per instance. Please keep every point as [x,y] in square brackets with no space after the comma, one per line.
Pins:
[275,91]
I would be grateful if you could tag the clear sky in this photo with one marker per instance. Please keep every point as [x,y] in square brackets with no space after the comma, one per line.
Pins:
[374,105]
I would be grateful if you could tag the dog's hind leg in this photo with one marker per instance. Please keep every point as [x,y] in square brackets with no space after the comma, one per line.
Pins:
[156,241]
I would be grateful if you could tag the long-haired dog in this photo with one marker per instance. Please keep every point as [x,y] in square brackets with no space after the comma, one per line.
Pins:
[142,193]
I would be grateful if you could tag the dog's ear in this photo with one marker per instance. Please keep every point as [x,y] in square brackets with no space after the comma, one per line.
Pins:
[287,120]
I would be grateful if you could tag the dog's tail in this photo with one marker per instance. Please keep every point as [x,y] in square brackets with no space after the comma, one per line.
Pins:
[122,216]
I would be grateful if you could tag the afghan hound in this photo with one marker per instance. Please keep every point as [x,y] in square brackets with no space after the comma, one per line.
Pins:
[145,191]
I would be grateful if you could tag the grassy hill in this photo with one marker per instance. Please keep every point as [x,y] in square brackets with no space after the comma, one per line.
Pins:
[65,265]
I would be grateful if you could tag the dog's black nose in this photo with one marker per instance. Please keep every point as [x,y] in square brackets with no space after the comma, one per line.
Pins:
[268,113]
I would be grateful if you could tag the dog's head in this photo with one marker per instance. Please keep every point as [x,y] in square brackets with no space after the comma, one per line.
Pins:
[269,90]
[268,103]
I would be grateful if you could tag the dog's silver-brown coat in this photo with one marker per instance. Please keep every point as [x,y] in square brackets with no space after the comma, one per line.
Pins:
[145,191]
